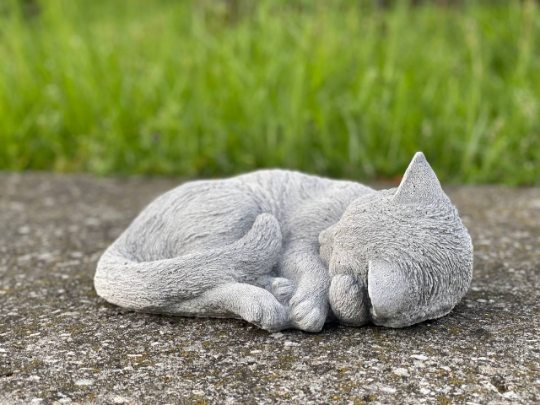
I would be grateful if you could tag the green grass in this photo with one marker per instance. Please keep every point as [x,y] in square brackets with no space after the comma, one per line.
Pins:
[337,88]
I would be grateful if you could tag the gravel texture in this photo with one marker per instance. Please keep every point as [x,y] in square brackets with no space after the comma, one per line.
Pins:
[60,343]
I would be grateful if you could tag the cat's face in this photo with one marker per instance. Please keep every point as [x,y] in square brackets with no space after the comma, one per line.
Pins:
[406,248]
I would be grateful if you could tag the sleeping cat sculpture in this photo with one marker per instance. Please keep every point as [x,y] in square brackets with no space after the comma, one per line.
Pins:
[283,249]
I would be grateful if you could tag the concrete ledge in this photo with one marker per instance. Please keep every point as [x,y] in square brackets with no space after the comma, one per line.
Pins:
[60,343]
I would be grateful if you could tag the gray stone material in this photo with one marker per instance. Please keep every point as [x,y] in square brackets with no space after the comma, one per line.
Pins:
[60,342]
[268,246]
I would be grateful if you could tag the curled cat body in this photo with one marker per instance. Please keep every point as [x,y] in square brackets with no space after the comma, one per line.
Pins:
[282,249]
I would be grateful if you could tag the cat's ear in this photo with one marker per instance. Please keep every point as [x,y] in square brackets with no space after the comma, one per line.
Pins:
[420,184]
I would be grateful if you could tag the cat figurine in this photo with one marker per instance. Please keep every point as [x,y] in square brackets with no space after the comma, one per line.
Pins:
[282,249]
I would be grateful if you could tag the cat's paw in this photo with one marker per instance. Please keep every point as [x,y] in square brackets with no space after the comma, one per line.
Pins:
[251,303]
[308,311]
[348,300]
[283,289]
[270,316]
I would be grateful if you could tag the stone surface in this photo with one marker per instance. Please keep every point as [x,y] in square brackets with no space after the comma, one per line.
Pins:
[60,343]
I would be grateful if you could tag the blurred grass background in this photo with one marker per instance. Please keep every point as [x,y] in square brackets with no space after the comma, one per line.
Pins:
[215,87]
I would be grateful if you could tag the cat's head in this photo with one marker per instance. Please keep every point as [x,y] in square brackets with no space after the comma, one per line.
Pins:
[406,249]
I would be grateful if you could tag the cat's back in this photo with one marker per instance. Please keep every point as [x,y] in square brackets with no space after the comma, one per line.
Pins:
[217,211]
[289,184]
[264,184]
[276,191]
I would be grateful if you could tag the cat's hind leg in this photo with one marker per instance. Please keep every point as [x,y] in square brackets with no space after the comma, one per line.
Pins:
[239,300]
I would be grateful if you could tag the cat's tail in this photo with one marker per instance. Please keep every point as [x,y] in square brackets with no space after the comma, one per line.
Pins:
[156,285]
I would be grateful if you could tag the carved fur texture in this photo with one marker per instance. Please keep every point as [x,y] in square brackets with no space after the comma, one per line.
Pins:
[283,249]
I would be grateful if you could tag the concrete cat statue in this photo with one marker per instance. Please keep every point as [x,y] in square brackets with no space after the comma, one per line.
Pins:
[283,249]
